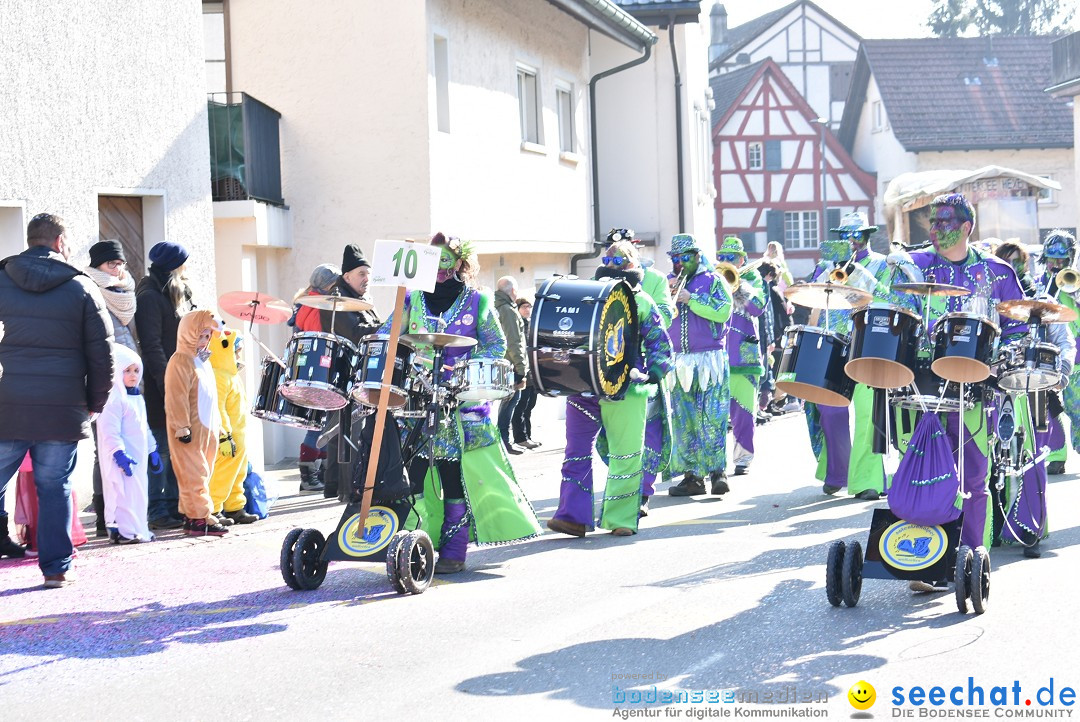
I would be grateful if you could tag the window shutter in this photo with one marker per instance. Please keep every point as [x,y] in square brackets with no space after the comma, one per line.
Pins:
[774,225]
[832,218]
[749,241]
[772,155]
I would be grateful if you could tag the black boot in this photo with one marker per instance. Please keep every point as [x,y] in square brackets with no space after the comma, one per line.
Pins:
[8,548]
[99,516]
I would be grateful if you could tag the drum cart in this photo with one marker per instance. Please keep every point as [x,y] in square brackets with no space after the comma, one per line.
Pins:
[376,533]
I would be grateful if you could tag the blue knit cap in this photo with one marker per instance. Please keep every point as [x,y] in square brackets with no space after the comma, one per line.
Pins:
[168,256]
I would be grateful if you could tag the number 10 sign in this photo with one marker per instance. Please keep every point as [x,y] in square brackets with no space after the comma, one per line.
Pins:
[400,263]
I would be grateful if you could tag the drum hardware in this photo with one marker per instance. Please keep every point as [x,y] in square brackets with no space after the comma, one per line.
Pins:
[255,307]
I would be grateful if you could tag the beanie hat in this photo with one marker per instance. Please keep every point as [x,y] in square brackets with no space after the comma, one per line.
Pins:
[352,258]
[324,277]
[168,256]
[105,251]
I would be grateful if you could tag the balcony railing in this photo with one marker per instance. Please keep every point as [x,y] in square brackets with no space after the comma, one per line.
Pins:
[245,153]
[1065,62]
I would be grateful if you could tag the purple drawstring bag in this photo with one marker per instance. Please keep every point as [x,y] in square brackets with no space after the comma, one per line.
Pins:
[925,488]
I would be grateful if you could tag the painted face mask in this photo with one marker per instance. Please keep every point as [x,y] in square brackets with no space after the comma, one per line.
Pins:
[857,238]
[946,228]
[685,262]
[447,261]
[835,251]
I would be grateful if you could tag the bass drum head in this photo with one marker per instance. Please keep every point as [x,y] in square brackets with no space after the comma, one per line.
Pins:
[617,338]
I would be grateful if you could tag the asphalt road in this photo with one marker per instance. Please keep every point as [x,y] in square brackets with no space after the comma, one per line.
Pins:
[722,596]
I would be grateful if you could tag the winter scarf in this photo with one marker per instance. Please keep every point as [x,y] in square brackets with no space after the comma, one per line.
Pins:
[119,293]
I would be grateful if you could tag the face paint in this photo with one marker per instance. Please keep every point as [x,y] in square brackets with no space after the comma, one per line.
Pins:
[447,265]
[946,228]
[684,263]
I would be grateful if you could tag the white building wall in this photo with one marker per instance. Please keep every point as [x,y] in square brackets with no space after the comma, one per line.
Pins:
[106,98]
[878,151]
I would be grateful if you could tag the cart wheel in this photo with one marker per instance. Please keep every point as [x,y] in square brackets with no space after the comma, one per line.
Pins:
[980,580]
[851,574]
[833,573]
[962,576]
[416,562]
[391,561]
[308,567]
[286,558]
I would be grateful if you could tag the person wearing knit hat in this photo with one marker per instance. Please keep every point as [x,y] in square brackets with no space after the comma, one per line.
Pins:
[744,352]
[105,251]
[168,256]
[699,393]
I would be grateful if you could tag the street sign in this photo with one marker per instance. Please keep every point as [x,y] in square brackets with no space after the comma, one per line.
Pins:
[402,263]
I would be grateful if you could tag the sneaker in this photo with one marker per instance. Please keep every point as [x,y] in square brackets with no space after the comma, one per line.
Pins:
[690,486]
[223,520]
[528,444]
[868,495]
[118,538]
[57,581]
[1033,551]
[741,469]
[241,517]
[200,527]
[513,449]
[719,483]
[791,407]
[830,490]
[1055,468]
[166,522]
[926,587]
[313,486]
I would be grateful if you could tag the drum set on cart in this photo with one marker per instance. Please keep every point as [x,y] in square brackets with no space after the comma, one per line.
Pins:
[959,362]
[323,373]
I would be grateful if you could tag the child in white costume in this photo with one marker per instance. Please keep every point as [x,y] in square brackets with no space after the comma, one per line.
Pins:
[125,444]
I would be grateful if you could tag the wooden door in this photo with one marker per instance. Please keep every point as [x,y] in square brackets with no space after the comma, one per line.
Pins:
[121,217]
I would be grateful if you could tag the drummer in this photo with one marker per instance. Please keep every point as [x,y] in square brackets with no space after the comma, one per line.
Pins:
[990,281]
[623,420]
[699,393]
[843,462]
[470,492]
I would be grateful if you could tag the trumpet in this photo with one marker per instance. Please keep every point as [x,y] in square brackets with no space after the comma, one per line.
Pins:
[679,285]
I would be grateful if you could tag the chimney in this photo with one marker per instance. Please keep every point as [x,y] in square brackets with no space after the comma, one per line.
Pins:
[718,22]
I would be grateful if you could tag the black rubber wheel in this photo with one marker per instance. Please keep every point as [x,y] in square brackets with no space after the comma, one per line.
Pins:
[416,562]
[286,558]
[391,562]
[833,572]
[980,580]
[851,574]
[962,576]
[308,567]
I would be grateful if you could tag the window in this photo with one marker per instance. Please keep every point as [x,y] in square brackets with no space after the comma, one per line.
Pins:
[753,156]
[1046,195]
[441,58]
[878,117]
[214,46]
[839,81]
[564,104]
[529,105]
[801,229]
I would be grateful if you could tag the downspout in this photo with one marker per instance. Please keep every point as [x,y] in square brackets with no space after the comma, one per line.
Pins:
[597,243]
[678,127]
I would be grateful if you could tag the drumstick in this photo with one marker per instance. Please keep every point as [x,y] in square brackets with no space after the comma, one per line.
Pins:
[272,355]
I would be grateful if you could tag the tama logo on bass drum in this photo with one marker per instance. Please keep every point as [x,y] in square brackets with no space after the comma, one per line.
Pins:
[568,309]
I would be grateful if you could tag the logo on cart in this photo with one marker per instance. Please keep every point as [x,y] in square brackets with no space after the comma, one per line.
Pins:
[911,547]
[381,525]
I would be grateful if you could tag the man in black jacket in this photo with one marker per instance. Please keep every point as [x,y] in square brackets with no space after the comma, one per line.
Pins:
[58,367]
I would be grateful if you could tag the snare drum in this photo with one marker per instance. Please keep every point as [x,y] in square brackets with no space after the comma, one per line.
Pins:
[271,406]
[963,347]
[1029,367]
[932,393]
[486,379]
[367,388]
[884,346]
[319,369]
[812,366]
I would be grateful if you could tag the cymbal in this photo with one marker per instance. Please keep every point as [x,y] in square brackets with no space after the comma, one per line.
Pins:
[440,340]
[834,296]
[341,303]
[255,307]
[1027,309]
[930,289]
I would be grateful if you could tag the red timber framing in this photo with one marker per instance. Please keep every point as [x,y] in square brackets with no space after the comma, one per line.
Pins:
[769,110]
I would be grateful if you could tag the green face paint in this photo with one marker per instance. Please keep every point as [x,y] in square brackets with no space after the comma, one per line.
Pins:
[447,259]
[944,240]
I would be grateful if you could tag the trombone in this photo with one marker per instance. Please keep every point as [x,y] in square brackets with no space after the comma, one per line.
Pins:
[731,273]
[1066,280]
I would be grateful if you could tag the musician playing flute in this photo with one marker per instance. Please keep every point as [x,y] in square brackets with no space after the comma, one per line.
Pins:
[699,394]
[990,281]
[744,351]
[623,420]
[843,462]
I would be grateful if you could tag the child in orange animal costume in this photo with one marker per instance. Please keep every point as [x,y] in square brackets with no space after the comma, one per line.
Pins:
[193,421]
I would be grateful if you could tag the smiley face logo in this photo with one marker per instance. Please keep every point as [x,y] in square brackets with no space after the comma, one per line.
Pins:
[862,695]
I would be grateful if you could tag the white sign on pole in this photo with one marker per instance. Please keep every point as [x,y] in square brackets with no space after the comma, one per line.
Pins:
[400,263]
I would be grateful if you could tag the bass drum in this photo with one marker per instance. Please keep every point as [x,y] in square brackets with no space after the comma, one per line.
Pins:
[583,337]
[270,405]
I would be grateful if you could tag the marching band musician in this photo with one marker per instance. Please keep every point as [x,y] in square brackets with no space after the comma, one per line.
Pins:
[471,492]
[623,421]
[1059,253]
[744,352]
[843,462]
[700,394]
[991,281]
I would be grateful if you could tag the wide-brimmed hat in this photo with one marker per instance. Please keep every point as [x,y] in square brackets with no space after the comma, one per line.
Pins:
[731,244]
[683,242]
[854,222]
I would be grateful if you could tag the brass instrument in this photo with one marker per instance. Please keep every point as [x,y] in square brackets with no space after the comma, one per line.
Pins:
[731,273]
[1067,280]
